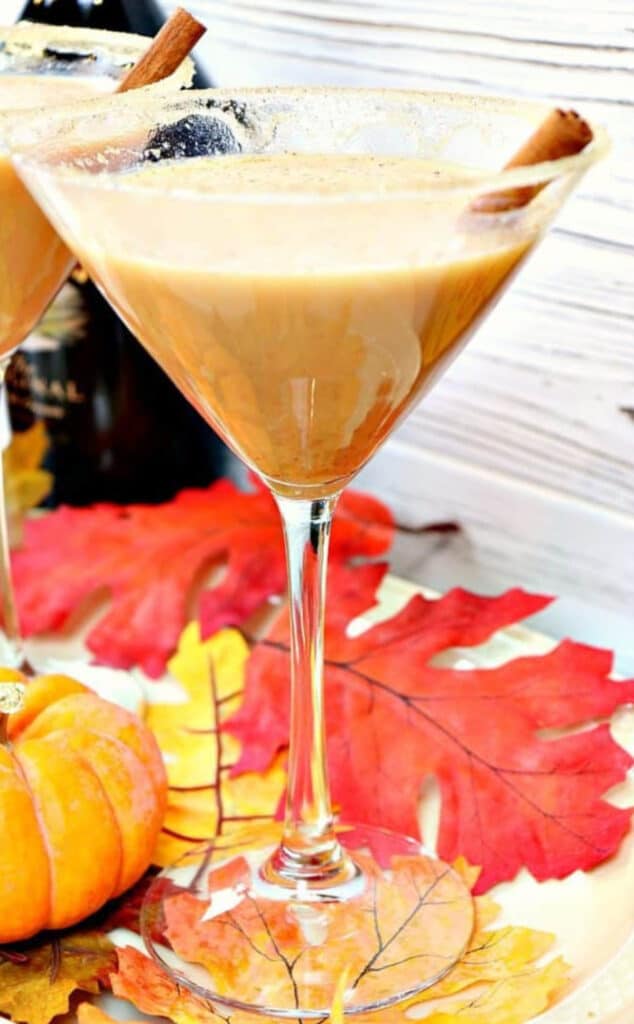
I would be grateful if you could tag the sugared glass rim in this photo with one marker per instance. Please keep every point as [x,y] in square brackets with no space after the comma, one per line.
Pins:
[26,142]
[125,48]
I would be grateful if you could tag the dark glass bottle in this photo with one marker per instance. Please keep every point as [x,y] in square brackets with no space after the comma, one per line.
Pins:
[117,428]
[144,17]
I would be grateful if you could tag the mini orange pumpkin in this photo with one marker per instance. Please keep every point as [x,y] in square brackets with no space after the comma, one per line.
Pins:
[82,797]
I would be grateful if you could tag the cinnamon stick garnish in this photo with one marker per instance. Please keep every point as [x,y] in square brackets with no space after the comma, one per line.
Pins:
[166,52]
[563,133]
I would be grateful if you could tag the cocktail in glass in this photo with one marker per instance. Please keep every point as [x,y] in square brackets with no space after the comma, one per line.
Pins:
[43,66]
[304,264]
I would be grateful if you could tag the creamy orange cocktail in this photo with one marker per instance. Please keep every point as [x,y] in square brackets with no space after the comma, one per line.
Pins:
[303,371]
[32,256]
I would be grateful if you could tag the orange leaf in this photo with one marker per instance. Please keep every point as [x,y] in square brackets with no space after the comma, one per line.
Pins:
[149,558]
[143,983]
[509,797]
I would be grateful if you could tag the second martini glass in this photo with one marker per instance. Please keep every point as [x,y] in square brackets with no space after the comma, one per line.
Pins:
[304,264]
[42,66]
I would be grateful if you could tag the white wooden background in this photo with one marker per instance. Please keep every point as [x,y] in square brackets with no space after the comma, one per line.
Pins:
[529,440]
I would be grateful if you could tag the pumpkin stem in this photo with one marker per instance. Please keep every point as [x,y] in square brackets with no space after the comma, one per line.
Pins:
[11,700]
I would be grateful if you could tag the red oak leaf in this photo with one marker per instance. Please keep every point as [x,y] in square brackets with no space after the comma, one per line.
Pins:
[510,796]
[149,558]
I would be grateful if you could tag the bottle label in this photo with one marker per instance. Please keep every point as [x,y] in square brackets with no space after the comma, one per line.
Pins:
[40,381]
[39,393]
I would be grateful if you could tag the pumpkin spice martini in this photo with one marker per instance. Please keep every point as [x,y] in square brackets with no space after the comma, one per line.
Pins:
[304,264]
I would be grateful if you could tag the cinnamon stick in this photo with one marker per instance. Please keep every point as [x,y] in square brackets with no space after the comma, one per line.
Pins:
[166,52]
[562,133]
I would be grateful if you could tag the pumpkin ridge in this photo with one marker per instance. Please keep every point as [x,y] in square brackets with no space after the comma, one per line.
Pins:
[103,789]
[156,811]
[119,722]
[13,753]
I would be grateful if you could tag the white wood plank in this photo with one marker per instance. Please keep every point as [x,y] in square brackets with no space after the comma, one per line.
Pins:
[349,59]
[388,37]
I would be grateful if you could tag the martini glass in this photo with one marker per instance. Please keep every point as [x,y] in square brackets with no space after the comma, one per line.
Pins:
[42,66]
[304,264]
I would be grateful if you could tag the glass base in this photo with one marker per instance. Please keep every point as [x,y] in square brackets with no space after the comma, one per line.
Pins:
[397,922]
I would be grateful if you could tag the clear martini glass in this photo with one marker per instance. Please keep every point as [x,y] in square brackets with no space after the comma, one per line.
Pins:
[304,264]
[43,66]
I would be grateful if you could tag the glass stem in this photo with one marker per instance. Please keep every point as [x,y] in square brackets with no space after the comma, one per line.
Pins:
[309,850]
[9,604]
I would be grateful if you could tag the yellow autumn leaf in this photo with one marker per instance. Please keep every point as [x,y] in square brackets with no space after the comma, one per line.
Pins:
[204,801]
[514,999]
[499,980]
[27,484]
[39,987]
[492,954]
[27,448]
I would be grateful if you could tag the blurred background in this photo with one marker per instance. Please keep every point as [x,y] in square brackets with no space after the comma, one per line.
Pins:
[528,442]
